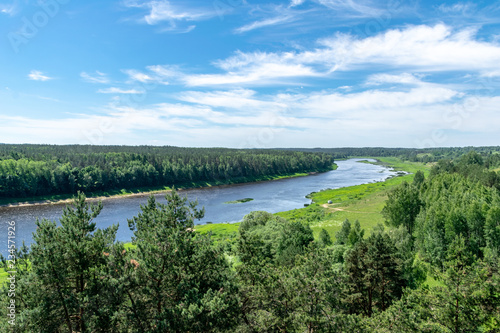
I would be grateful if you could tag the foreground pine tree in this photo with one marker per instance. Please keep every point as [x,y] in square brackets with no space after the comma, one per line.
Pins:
[78,279]
[178,282]
[63,290]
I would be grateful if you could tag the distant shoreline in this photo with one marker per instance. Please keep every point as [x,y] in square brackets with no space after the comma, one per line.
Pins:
[145,193]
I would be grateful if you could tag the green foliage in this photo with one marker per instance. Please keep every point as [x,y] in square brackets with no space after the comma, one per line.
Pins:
[414,269]
[63,290]
[409,154]
[324,238]
[179,282]
[492,228]
[373,275]
[266,237]
[361,202]
[356,234]
[170,279]
[456,205]
[304,297]
[468,300]
[419,179]
[342,236]
[293,240]
[41,170]
[402,207]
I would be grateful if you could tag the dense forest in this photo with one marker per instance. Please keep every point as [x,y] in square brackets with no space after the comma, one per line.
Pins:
[36,170]
[40,170]
[274,276]
[490,154]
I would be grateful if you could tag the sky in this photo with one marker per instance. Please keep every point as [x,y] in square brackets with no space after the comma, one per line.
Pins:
[250,74]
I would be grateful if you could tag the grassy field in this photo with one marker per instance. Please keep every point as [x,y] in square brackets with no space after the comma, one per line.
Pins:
[220,231]
[361,202]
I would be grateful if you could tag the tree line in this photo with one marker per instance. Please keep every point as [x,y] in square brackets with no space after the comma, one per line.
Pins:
[36,170]
[491,155]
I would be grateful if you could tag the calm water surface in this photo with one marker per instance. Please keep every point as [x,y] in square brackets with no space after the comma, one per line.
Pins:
[271,196]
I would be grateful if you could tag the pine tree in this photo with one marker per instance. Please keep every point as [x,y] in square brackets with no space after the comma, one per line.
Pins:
[68,291]
[179,282]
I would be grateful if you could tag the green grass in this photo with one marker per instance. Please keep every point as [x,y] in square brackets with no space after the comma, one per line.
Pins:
[220,231]
[400,165]
[361,202]
[4,272]
[3,276]
[129,246]
[431,282]
[239,201]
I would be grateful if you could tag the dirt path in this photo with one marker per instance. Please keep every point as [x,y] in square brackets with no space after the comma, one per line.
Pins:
[340,209]
[336,209]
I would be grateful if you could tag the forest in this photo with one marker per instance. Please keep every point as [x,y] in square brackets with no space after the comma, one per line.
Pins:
[433,266]
[30,171]
[37,170]
[490,154]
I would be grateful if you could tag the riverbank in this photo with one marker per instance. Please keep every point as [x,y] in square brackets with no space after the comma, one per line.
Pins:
[143,191]
[330,208]
[359,202]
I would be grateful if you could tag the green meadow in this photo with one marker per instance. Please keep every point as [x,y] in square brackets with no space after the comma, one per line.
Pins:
[360,202]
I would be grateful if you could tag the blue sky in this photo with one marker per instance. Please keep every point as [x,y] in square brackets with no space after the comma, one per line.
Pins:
[250,74]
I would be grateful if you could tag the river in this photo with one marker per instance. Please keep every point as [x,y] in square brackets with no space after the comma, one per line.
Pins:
[272,196]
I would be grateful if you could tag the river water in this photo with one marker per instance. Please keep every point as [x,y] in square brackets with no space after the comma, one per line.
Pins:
[272,196]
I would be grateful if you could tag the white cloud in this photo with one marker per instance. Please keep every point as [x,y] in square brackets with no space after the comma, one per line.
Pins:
[420,49]
[174,29]
[359,8]
[294,3]
[259,74]
[405,78]
[414,48]
[264,23]
[10,9]
[98,77]
[491,73]
[436,48]
[402,116]
[329,104]
[165,71]
[242,99]
[460,8]
[135,75]
[163,11]
[114,90]
[158,74]
[38,76]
